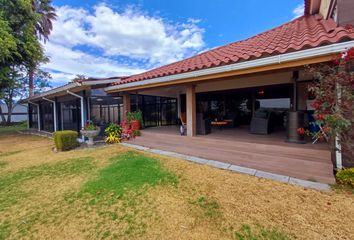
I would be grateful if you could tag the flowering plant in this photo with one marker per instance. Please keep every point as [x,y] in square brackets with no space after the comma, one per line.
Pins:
[90,126]
[334,96]
[114,133]
[301,131]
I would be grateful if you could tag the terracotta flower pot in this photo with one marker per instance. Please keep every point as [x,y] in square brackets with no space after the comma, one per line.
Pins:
[135,125]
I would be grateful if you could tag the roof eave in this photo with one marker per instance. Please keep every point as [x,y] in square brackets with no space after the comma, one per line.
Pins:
[278,59]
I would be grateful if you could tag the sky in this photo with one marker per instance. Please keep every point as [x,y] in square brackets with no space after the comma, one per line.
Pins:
[105,38]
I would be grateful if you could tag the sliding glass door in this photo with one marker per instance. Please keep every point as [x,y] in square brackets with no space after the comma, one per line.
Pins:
[157,111]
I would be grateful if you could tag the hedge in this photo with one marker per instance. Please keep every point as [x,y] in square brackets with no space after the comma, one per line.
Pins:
[346,176]
[65,140]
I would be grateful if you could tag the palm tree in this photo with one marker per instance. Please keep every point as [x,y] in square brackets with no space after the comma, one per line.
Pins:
[45,13]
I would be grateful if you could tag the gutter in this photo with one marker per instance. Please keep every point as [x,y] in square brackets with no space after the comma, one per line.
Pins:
[56,90]
[73,85]
[278,59]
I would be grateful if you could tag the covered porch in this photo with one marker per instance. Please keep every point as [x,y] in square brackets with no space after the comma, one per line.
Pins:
[244,141]
[237,146]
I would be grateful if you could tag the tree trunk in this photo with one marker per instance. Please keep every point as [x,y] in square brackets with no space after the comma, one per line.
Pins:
[9,112]
[2,116]
[30,81]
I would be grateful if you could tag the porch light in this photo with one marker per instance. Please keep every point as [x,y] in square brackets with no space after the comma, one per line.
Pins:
[261,92]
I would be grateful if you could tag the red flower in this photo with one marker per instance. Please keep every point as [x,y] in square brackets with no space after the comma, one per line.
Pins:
[301,131]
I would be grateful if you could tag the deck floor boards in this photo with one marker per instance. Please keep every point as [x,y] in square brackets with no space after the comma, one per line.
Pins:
[236,146]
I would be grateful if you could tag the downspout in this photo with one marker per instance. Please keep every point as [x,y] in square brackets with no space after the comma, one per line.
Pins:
[55,112]
[338,146]
[82,109]
[38,117]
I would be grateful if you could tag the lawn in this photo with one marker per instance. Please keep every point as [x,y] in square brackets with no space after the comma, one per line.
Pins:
[113,192]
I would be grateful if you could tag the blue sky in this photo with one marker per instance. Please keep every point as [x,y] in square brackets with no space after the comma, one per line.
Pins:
[111,38]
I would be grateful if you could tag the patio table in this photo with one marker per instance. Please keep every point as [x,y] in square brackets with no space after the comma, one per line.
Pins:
[219,124]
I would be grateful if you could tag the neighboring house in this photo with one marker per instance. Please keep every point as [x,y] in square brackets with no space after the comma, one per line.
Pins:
[236,82]
[19,113]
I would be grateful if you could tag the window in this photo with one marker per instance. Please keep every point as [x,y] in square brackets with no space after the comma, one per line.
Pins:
[104,110]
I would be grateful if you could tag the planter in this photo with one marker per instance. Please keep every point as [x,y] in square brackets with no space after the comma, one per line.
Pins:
[90,135]
[295,121]
[135,125]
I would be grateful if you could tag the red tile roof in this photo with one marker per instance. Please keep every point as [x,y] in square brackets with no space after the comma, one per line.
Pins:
[305,32]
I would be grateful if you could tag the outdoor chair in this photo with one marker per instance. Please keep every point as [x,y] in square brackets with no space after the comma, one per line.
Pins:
[260,123]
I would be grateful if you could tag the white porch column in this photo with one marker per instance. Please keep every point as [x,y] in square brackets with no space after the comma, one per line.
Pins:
[191,111]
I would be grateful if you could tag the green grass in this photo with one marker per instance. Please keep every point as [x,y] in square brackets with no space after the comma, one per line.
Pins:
[6,154]
[10,191]
[209,206]
[118,193]
[13,128]
[129,172]
[4,230]
[259,233]
[3,164]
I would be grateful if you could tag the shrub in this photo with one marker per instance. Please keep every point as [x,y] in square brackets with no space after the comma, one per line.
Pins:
[137,115]
[113,132]
[65,140]
[346,177]
[136,133]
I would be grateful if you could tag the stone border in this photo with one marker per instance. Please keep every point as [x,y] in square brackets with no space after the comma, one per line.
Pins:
[234,168]
[37,133]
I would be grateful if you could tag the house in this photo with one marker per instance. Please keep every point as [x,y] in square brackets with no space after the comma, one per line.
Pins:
[257,84]
[69,107]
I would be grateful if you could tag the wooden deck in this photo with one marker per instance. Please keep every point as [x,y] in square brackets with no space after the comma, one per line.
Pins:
[236,146]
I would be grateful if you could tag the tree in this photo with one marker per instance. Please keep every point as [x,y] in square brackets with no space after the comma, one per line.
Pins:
[17,88]
[7,40]
[334,98]
[18,22]
[45,15]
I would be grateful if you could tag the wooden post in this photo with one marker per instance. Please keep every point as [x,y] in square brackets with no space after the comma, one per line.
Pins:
[126,105]
[191,111]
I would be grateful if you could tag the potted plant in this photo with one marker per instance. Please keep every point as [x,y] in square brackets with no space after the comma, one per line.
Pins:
[301,132]
[135,119]
[90,130]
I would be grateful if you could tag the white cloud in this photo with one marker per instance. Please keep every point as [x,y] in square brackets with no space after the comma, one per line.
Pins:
[298,11]
[90,43]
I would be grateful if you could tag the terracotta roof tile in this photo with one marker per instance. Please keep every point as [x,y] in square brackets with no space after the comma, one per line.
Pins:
[305,32]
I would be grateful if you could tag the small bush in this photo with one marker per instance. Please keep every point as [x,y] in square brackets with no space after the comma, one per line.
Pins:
[65,140]
[346,177]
